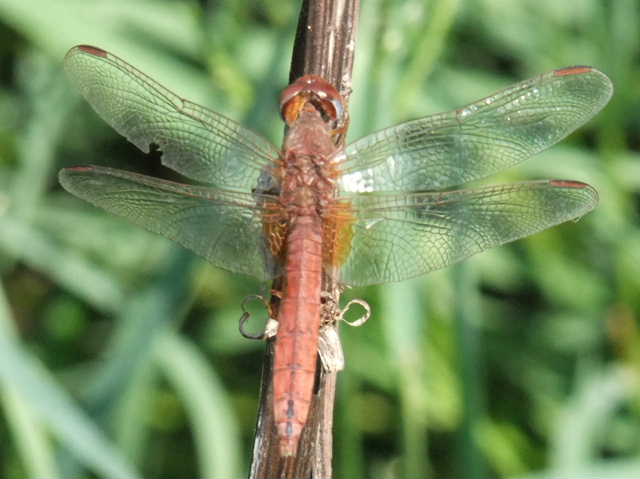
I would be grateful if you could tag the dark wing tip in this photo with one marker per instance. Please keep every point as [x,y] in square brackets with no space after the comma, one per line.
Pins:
[66,175]
[569,184]
[575,70]
[588,191]
[599,83]
[99,52]
[76,169]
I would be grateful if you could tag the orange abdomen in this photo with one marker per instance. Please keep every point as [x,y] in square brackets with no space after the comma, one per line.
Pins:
[297,339]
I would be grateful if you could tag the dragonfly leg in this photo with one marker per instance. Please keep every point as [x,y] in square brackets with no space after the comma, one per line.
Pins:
[330,308]
[277,293]
[331,311]
[362,319]
[329,347]
[271,327]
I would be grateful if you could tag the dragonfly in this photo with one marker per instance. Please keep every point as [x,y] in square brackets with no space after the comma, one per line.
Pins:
[385,208]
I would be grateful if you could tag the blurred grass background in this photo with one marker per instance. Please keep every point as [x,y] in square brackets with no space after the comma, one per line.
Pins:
[119,352]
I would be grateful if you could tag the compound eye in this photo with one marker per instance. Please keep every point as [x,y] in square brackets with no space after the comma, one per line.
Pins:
[317,91]
[333,110]
[291,108]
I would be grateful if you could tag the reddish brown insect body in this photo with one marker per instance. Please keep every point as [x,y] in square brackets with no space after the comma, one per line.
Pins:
[386,208]
[312,109]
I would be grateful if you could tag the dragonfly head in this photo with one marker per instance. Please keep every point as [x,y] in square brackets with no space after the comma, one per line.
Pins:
[312,92]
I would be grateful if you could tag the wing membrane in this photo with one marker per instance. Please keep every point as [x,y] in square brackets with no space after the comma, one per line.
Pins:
[399,237]
[224,227]
[475,141]
[196,142]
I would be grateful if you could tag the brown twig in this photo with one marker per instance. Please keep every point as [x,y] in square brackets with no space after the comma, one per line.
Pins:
[325,42]
[325,46]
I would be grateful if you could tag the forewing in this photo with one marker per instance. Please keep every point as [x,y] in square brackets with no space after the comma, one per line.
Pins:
[196,142]
[475,141]
[398,237]
[224,227]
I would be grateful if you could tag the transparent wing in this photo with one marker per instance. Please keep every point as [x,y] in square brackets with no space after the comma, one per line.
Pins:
[475,141]
[195,141]
[223,227]
[395,237]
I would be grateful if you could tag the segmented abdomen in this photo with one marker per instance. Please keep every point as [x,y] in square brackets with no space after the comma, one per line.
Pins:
[297,339]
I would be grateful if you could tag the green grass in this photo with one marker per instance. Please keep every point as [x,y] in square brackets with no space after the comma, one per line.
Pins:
[119,352]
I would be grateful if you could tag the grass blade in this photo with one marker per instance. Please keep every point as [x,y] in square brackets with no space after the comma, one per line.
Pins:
[73,428]
[204,397]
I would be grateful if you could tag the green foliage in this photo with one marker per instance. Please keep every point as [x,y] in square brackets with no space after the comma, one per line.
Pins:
[119,352]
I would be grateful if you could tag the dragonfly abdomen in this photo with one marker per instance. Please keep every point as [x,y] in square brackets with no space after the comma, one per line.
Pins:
[297,340]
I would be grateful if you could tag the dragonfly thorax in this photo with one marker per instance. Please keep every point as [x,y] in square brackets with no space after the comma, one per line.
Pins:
[307,173]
